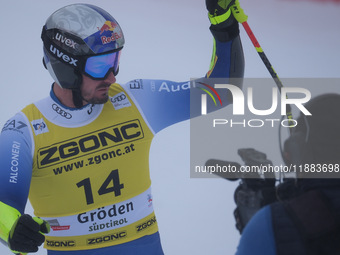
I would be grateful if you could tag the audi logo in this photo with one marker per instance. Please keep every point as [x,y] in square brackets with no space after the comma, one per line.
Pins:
[61,112]
[118,98]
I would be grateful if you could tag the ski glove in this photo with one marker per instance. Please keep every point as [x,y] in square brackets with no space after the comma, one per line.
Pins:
[26,234]
[21,233]
[219,10]
[224,26]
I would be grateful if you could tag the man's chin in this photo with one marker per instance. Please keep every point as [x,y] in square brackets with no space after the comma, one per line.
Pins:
[98,100]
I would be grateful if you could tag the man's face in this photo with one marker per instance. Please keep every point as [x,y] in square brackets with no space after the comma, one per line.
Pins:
[96,91]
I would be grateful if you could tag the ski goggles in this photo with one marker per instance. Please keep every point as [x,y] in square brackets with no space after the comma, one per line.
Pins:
[99,67]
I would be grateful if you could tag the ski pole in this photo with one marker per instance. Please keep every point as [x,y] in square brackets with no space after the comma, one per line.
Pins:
[242,18]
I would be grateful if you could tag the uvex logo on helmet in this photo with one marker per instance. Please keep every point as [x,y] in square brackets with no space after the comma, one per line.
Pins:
[64,40]
[61,55]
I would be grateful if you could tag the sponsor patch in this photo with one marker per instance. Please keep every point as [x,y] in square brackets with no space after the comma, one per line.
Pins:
[120,101]
[39,126]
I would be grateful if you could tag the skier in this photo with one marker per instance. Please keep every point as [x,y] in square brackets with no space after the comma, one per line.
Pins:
[81,154]
[306,221]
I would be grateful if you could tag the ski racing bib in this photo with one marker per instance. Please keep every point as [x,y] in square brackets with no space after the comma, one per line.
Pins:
[90,177]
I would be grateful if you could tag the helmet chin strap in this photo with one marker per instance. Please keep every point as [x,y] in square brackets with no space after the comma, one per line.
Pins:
[77,98]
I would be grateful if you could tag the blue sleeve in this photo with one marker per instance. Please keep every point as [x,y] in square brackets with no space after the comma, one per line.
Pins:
[258,236]
[163,103]
[15,162]
[167,102]
[227,59]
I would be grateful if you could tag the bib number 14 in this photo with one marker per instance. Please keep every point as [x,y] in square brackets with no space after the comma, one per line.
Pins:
[111,184]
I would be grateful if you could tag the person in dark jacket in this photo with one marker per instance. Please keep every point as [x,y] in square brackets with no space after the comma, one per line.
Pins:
[308,222]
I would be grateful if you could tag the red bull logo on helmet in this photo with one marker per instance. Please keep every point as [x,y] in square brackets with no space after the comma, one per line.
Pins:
[110,26]
[108,36]
[112,38]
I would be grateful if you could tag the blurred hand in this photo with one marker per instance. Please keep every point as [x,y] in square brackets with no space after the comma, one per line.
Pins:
[27,234]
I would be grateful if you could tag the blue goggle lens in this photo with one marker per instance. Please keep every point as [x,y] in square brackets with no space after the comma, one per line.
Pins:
[99,66]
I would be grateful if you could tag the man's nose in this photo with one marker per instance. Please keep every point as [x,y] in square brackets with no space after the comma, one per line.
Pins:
[111,78]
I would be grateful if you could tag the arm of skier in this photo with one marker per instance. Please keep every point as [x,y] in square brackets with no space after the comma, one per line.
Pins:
[19,231]
[227,60]
[164,103]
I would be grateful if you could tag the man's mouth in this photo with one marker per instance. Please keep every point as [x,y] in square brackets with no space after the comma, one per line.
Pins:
[103,87]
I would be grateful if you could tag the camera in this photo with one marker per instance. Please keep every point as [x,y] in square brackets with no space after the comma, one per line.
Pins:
[256,189]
